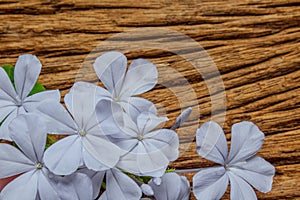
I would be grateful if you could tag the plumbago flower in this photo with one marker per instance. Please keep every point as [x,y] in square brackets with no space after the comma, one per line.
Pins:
[14,99]
[122,84]
[35,180]
[240,166]
[87,145]
[172,187]
[146,151]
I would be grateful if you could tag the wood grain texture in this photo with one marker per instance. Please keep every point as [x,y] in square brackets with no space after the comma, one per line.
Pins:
[255,45]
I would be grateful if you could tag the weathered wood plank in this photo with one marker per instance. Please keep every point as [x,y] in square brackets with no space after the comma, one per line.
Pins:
[255,44]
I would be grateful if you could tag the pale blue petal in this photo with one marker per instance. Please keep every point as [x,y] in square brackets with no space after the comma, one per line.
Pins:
[27,70]
[4,132]
[64,156]
[246,141]
[125,142]
[120,186]
[136,105]
[164,140]
[6,107]
[145,159]
[81,101]
[97,179]
[7,90]
[30,103]
[148,121]
[257,172]
[172,187]
[46,187]
[211,142]
[103,196]
[29,132]
[58,119]
[239,189]
[24,186]
[110,68]
[77,186]
[185,189]
[91,162]
[147,190]
[109,116]
[210,183]
[182,118]
[103,150]
[141,77]
[13,161]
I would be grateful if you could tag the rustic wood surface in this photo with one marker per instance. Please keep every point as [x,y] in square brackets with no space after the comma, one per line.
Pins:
[254,43]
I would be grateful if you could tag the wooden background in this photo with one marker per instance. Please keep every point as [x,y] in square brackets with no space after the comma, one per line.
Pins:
[254,43]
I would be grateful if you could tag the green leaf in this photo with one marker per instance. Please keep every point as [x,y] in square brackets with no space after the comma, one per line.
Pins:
[37,88]
[49,141]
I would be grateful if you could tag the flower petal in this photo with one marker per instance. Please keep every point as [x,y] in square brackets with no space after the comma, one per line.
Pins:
[25,185]
[64,156]
[58,119]
[120,186]
[46,187]
[103,150]
[91,162]
[136,105]
[31,102]
[145,160]
[211,142]
[77,186]
[257,172]
[4,132]
[13,162]
[165,141]
[81,101]
[109,117]
[239,189]
[110,68]
[6,108]
[29,132]
[182,118]
[148,121]
[27,70]
[103,196]
[246,141]
[172,187]
[97,179]
[141,77]
[7,90]
[210,183]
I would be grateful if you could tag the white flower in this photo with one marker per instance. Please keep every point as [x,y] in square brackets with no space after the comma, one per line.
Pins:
[87,144]
[240,166]
[15,100]
[122,84]
[35,180]
[147,151]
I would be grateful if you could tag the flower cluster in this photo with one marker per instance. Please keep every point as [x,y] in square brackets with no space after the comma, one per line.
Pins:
[114,146]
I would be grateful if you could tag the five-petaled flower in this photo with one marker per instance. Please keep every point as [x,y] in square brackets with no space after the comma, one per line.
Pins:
[147,150]
[35,181]
[240,166]
[122,85]
[87,144]
[14,99]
